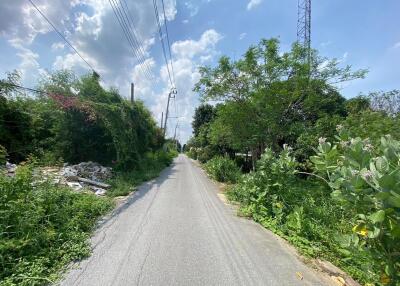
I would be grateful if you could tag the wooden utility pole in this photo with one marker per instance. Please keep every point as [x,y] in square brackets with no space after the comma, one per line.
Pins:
[132,92]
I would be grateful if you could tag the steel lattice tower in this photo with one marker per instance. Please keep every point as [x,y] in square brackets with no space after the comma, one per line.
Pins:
[304,25]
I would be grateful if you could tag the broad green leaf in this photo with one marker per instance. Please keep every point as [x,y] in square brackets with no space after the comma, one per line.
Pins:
[382,164]
[378,216]
[375,233]
[387,182]
[394,200]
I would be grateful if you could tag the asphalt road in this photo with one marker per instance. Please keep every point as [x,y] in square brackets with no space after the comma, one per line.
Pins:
[175,230]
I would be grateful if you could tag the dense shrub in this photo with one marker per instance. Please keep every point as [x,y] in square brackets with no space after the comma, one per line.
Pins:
[77,120]
[365,180]
[191,152]
[301,210]
[149,167]
[205,154]
[372,125]
[16,133]
[42,228]
[223,169]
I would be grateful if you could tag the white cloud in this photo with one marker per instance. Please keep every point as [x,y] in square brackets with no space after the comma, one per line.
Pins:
[253,3]
[191,48]
[57,46]
[242,36]
[188,55]
[396,45]
[325,44]
[193,8]
[29,66]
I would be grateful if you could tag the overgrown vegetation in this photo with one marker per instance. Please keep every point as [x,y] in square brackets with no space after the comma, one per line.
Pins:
[333,195]
[150,167]
[223,169]
[43,227]
[76,120]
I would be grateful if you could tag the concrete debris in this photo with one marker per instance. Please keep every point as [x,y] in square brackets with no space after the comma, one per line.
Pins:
[94,183]
[74,185]
[89,175]
[89,170]
[68,172]
[99,191]
[85,175]
[10,169]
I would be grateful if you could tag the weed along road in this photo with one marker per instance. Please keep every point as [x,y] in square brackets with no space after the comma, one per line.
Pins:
[175,230]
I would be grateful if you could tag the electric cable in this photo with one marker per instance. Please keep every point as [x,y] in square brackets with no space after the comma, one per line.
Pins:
[61,35]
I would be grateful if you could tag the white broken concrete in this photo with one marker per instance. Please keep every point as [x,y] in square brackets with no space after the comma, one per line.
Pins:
[89,175]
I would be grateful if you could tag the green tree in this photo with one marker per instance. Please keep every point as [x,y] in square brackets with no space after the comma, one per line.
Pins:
[202,115]
[271,97]
[387,102]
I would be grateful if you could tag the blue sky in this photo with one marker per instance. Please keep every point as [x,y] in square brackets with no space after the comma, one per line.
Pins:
[364,34]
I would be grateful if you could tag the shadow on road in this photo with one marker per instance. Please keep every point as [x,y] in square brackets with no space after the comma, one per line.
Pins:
[142,191]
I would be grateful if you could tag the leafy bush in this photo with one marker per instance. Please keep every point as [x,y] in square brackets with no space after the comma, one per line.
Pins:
[223,169]
[42,228]
[272,176]
[150,167]
[366,180]
[89,124]
[205,154]
[301,210]
[372,125]
[192,153]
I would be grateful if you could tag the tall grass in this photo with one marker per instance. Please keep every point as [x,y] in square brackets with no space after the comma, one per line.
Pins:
[150,167]
[43,228]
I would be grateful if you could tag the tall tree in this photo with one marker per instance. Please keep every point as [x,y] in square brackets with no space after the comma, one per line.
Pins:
[202,115]
[269,96]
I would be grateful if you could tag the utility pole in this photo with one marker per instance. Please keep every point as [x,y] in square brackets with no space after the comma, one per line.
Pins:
[176,141]
[162,118]
[176,126]
[132,92]
[171,94]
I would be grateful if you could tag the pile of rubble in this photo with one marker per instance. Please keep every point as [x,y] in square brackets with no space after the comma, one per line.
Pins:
[10,169]
[88,175]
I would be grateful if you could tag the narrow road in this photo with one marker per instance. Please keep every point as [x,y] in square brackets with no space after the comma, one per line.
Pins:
[175,230]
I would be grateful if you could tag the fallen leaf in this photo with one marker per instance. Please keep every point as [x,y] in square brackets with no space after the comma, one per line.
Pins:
[299,275]
[339,280]
[385,279]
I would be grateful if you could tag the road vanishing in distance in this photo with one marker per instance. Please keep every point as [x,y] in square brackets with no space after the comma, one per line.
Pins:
[175,230]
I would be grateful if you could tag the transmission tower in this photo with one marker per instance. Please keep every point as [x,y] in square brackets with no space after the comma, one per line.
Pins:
[304,25]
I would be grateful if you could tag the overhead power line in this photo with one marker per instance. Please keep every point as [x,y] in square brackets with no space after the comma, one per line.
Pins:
[168,42]
[127,28]
[139,43]
[162,42]
[26,88]
[62,36]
